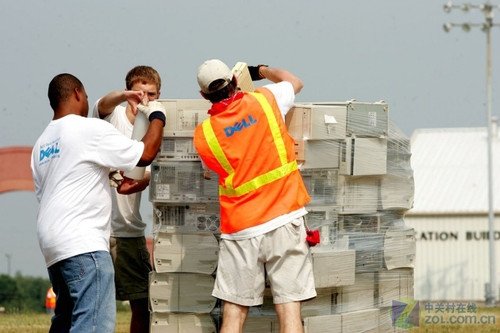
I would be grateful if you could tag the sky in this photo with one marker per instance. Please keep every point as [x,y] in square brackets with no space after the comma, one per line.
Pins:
[391,50]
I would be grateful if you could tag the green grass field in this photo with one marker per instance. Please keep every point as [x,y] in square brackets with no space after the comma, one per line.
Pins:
[39,323]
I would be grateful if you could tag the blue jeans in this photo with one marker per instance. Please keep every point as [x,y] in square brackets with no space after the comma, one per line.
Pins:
[84,285]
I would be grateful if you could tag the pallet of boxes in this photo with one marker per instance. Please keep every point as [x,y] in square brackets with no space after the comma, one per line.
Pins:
[356,166]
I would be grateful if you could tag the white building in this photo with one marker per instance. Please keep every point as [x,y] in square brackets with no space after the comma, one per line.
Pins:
[450,213]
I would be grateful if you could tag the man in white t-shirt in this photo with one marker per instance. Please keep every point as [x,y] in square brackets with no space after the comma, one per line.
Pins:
[130,255]
[70,164]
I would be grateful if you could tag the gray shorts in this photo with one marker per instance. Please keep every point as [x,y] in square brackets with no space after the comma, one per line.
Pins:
[132,267]
[282,253]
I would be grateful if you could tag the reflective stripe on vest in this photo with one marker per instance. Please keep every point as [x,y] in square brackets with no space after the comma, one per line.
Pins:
[285,169]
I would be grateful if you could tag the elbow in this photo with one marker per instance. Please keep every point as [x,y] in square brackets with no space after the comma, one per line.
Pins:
[147,157]
[298,85]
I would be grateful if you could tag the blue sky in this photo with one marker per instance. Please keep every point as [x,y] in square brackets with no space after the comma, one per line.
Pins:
[392,50]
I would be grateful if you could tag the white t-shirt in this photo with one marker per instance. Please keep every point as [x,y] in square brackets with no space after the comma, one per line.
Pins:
[70,164]
[126,220]
[285,97]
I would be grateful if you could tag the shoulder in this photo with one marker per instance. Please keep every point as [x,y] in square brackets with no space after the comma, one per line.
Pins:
[283,88]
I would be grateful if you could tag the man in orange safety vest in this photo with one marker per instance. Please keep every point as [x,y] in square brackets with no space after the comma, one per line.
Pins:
[261,193]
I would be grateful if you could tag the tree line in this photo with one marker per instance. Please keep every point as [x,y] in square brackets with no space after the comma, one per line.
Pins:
[23,293]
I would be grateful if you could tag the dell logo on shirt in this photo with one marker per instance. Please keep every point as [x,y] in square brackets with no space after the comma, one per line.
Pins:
[49,151]
[239,125]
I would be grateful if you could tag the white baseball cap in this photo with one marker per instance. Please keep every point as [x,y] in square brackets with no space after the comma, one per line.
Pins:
[210,71]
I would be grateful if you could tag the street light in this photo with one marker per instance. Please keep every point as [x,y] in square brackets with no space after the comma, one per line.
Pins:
[9,258]
[487,9]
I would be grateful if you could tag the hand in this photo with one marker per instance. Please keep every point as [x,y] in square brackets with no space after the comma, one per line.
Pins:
[255,72]
[115,178]
[151,107]
[129,186]
[133,98]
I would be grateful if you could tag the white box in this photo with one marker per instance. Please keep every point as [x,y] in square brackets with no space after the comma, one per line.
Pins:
[358,195]
[322,185]
[240,71]
[397,191]
[359,296]
[188,217]
[323,324]
[365,321]
[332,268]
[317,154]
[164,322]
[369,249]
[400,248]
[183,115]
[181,292]
[394,285]
[320,305]
[337,120]
[185,252]
[177,149]
[180,182]
[309,122]
[363,156]
[364,119]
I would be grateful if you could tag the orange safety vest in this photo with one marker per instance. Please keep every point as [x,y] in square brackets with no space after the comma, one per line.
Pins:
[248,146]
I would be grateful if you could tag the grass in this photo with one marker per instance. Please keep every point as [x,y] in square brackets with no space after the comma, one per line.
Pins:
[39,323]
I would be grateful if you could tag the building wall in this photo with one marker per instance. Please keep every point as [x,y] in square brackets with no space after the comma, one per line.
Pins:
[452,257]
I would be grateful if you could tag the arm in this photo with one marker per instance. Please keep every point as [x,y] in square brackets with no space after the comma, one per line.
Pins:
[152,142]
[108,102]
[277,75]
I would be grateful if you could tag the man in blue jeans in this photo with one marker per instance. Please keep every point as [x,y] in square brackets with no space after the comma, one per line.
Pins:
[70,164]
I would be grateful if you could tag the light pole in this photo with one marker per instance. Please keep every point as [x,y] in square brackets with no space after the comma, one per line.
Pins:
[9,258]
[487,9]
